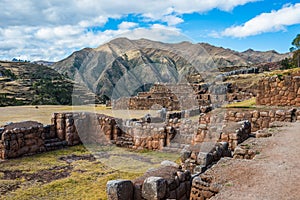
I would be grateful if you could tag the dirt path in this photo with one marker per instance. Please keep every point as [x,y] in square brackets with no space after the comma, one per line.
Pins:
[273,174]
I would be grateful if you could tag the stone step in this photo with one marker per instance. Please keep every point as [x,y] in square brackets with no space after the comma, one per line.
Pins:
[48,141]
[170,150]
[55,145]
[175,147]
[178,145]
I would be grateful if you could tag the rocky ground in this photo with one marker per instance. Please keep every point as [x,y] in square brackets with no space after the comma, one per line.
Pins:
[274,173]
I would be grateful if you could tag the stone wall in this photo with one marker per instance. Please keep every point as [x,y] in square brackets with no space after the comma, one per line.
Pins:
[185,96]
[203,188]
[23,138]
[166,182]
[261,118]
[67,129]
[201,157]
[279,91]
[86,127]
[233,126]
[152,136]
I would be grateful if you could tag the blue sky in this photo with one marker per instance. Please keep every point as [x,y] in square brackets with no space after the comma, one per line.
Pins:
[52,30]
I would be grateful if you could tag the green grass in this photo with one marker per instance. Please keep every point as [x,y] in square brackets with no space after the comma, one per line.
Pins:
[250,103]
[87,179]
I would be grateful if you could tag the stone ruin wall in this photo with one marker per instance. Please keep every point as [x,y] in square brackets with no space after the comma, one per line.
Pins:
[166,182]
[200,185]
[68,129]
[106,130]
[183,96]
[210,125]
[21,140]
[279,91]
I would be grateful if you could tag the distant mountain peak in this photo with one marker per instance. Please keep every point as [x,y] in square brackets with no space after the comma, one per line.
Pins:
[248,51]
[103,66]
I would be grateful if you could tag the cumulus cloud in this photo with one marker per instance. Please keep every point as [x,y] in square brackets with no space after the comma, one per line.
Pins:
[53,29]
[127,25]
[172,20]
[267,22]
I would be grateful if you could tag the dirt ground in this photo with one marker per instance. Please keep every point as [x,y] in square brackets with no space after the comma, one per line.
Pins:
[273,174]
[44,113]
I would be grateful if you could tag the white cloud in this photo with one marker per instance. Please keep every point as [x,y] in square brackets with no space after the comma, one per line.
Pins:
[71,12]
[172,20]
[127,25]
[266,22]
[157,32]
[53,29]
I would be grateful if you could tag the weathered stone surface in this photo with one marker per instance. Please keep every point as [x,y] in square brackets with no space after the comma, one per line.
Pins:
[119,190]
[184,155]
[169,163]
[204,158]
[154,188]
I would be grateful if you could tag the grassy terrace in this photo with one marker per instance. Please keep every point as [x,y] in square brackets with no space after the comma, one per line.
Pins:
[73,173]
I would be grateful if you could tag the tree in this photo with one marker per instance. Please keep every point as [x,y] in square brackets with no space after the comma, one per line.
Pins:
[296,49]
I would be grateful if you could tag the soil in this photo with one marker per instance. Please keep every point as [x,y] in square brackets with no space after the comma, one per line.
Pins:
[273,174]
[71,158]
[42,176]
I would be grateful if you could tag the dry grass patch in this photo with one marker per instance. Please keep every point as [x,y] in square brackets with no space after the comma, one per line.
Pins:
[73,173]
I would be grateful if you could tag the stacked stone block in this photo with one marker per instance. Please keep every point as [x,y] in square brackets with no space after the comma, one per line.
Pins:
[279,90]
[21,139]
[175,185]
[203,188]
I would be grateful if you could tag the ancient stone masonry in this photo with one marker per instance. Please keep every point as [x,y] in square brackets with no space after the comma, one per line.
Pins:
[184,96]
[279,91]
[166,182]
[23,138]
[67,129]
[86,127]
[243,152]
[226,126]
[201,157]
[203,188]
[261,118]
[146,136]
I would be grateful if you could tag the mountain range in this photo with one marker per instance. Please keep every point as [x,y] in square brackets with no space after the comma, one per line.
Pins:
[127,65]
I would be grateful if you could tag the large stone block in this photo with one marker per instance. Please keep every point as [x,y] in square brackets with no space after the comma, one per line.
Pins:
[154,188]
[204,158]
[119,190]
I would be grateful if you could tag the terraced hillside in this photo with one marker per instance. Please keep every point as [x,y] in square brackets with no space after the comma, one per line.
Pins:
[32,84]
